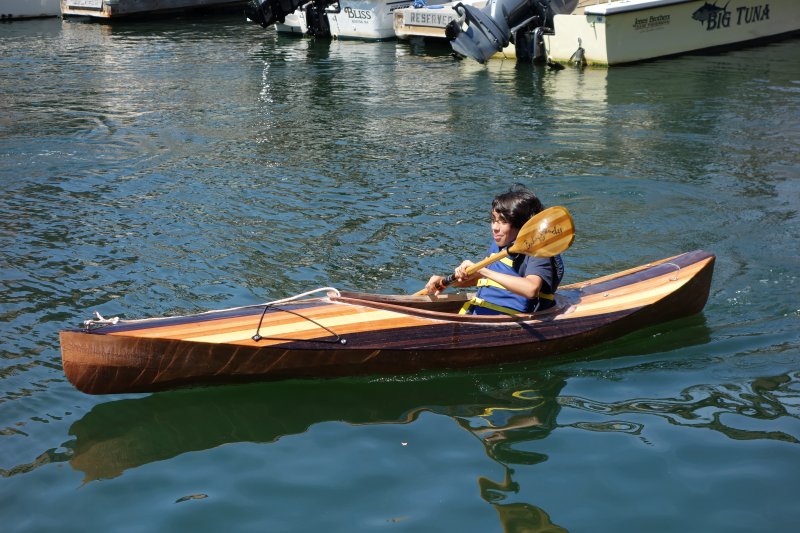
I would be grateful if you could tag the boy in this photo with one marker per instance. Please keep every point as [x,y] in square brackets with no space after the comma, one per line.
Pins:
[517,283]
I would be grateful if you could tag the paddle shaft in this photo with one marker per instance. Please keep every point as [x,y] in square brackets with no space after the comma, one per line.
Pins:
[447,280]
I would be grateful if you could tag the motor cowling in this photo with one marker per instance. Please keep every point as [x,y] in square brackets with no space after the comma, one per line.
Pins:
[268,12]
[490,29]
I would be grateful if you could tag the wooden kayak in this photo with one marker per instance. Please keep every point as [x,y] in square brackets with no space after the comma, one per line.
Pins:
[351,334]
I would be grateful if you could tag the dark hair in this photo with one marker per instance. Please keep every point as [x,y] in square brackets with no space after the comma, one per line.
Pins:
[517,205]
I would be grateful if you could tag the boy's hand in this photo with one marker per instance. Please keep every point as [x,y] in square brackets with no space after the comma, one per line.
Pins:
[434,285]
[461,271]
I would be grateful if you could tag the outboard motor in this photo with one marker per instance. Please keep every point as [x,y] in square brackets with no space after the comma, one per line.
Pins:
[490,29]
[529,46]
[268,12]
[317,19]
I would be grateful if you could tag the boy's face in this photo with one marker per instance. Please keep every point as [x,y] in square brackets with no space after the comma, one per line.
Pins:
[502,232]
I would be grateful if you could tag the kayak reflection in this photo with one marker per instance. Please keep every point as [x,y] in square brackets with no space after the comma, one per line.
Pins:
[498,409]
[124,434]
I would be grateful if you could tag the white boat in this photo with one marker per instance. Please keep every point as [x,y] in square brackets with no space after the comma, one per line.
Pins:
[295,22]
[365,19]
[349,19]
[370,20]
[109,9]
[600,32]
[626,31]
[29,9]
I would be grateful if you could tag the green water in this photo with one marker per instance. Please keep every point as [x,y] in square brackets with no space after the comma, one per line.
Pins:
[190,164]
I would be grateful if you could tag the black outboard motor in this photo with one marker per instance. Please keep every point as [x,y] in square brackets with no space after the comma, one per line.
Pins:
[261,11]
[317,18]
[268,12]
[490,29]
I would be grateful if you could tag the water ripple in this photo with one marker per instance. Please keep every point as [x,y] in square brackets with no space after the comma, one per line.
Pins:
[711,406]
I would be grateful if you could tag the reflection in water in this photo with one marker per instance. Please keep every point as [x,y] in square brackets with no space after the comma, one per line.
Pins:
[499,428]
[126,434]
[708,406]
[503,411]
[116,436]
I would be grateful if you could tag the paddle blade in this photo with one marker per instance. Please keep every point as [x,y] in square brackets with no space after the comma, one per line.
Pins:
[548,233]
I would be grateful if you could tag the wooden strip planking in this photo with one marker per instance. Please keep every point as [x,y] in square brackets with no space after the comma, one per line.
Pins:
[660,284]
[596,290]
[634,295]
[344,324]
[235,323]
[617,275]
[284,324]
[378,327]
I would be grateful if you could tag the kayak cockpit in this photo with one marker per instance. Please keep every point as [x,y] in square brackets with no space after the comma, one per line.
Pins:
[442,307]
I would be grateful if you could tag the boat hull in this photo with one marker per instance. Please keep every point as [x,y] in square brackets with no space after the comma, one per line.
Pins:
[626,32]
[368,20]
[365,19]
[29,9]
[373,334]
[114,9]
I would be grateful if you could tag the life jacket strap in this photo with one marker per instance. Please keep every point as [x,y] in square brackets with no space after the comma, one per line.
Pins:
[484,282]
[480,302]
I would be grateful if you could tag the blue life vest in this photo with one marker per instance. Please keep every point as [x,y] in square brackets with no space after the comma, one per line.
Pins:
[494,298]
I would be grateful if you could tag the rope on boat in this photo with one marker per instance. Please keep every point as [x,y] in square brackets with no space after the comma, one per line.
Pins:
[336,338]
[678,267]
[99,321]
[335,292]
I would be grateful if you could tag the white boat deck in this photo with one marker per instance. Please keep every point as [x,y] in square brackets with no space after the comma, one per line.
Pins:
[609,7]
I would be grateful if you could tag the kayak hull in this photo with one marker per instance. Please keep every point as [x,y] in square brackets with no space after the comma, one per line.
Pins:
[356,334]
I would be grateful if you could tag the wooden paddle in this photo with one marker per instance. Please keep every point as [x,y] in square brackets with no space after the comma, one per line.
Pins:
[546,234]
